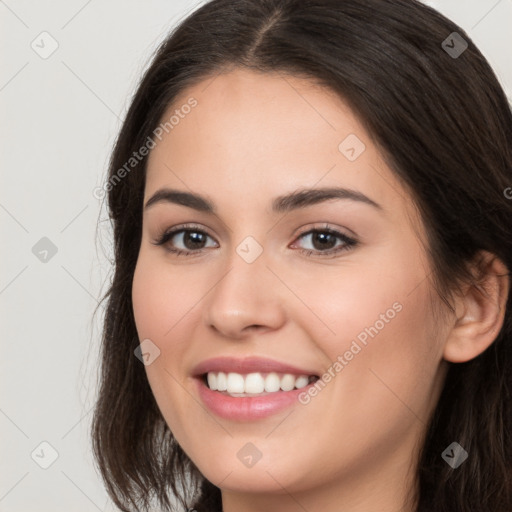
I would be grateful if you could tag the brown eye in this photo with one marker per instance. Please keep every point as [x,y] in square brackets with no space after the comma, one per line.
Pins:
[184,240]
[326,241]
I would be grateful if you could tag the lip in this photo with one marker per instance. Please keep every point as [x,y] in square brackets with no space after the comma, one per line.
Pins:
[247,408]
[248,365]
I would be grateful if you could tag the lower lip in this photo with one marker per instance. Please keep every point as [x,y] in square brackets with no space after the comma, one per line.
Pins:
[247,408]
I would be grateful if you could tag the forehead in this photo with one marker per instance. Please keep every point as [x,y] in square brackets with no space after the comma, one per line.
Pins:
[252,135]
[264,116]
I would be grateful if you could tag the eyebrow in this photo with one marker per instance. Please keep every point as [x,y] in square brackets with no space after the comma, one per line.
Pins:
[298,199]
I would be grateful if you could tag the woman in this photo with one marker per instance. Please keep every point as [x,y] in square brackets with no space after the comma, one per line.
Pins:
[311,305]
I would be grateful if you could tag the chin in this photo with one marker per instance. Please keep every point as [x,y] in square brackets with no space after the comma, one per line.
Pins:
[249,480]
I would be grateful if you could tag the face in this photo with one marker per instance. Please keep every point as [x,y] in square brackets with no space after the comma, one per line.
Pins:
[334,286]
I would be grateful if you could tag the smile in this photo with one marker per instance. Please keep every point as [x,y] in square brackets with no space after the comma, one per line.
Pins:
[250,388]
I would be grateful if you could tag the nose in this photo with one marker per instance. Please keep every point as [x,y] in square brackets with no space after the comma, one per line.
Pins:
[247,297]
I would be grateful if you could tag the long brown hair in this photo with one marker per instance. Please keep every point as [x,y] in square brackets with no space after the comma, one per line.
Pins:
[444,126]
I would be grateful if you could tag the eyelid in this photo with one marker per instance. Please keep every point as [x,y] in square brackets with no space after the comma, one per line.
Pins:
[325,226]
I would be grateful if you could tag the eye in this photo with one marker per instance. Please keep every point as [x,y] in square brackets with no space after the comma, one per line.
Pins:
[190,239]
[326,241]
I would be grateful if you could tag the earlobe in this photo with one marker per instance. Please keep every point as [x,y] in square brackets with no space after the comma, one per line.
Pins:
[480,310]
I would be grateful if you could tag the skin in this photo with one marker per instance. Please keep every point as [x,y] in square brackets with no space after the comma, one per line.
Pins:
[253,137]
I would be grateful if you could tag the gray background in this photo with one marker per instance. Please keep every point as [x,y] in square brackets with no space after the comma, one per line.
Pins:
[60,116]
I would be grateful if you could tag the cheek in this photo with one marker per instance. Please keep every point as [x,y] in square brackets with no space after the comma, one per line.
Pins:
[367,305]
[163,306]
[376,331]
[382,363]
[160,299]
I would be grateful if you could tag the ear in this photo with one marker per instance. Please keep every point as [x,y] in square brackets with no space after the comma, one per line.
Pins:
[479,310]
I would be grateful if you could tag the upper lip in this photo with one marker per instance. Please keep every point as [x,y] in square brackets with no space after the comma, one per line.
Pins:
[247,365]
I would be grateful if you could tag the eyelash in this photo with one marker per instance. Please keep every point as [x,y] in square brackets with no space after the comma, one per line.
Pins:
[166,236]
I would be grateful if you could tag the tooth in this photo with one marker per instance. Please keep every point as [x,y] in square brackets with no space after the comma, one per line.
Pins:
[235,383]
[272,382]
[300,382]
[222,382]
[212,381]
[254,383]
[287,382]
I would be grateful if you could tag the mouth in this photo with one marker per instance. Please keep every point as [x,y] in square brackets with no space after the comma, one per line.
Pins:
[254,384]
[251,388]
[253,396]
